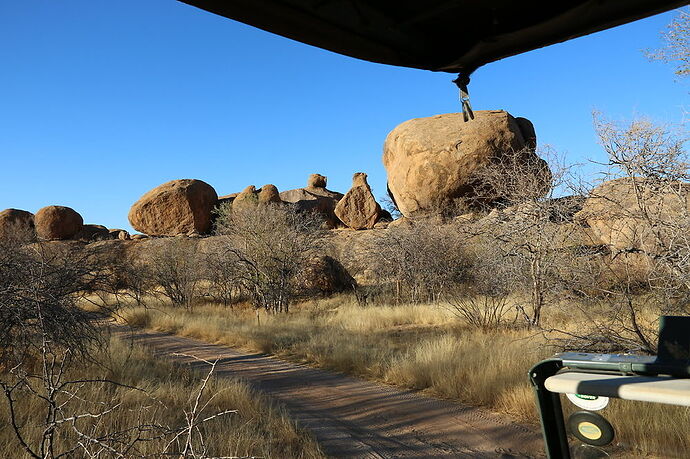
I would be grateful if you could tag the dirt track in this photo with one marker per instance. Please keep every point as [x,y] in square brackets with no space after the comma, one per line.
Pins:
[354,418]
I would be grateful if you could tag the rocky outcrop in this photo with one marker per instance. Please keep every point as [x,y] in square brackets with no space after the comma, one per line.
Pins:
[227,199]
[316,181]
[614,213]
[18,224]
[249,197]
[358,209]
[120,234]
[323,275]
[57,223]
[431,162]
[268,194]
[90,233]
[173,208]
[315,198]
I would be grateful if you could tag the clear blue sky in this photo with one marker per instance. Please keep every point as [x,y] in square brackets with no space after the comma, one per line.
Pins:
[101,101]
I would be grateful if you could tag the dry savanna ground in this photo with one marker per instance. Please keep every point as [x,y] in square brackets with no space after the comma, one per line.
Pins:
[424,347]
[258,428]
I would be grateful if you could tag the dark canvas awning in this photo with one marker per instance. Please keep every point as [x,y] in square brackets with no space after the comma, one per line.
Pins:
[440,35]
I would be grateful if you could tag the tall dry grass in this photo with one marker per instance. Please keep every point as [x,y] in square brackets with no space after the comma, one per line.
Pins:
[422,347]
[259,428]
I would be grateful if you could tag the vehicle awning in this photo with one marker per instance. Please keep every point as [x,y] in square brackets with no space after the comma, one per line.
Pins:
[442,35]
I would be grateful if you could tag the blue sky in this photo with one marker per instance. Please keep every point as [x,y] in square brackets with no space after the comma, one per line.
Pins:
[101,101]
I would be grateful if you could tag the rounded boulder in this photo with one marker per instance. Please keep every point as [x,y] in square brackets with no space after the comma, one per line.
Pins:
[15,223]
[54,223]
[431,162]
[173,208]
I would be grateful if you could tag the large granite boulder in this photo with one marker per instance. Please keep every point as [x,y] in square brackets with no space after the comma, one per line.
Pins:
[432,162]
[174,208]
[315,198]
[17,224]
[358,209]
[55,223]
[614,212]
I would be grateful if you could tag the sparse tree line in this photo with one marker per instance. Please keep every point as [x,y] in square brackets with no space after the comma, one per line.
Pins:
[618,251]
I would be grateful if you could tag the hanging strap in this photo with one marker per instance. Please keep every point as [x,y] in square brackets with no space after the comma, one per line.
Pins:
[462,81]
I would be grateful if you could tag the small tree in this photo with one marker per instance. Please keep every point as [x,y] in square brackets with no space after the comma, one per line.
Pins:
[222,273]
[422,260]
[484,300]
[525,222]
[642,213]
[176,267]
[676,44]
[268,244]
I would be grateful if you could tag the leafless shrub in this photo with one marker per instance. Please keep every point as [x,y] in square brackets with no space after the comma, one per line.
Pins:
[137,278]
[644,219]
[266,246]
[40,288]
[73,424]
[483,302]
[525,224]
[222,273]
[676,44]
[176,268]
[421,260]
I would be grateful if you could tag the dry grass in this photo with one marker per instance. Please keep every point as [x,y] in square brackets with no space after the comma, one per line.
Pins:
[415,346]
[259,428]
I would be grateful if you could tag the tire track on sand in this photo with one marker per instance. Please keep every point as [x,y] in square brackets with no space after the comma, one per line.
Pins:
[354,418]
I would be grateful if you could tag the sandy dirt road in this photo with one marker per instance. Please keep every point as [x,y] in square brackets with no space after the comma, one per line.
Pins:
[354,418]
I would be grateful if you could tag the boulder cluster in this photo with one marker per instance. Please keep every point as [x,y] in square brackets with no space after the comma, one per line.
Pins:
[54,223]
[186,207]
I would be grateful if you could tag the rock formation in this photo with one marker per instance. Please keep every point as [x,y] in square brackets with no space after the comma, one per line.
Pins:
[613,213]
[433,161]
[91,233]
[316,181]
[248,197]
[358,209]
[120,234]
[316,198]
[252,197]
[323,275]
[57,223]
[269,194]
[176,207]
[15,223]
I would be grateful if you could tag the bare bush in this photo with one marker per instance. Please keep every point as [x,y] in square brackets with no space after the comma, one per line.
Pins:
[483,302]
[676,44]
[222,273]
[267,245]
[422,260]
[89,416]
[642,214]
[41,286]
[137,278]
[525,225]
[176,268]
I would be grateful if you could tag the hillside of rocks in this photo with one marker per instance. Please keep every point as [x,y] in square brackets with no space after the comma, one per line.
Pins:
[431,164]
